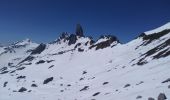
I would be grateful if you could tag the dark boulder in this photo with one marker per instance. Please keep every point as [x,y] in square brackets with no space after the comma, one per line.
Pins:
[80,50]
[168,86]
[10,64]
[162,96]
[21,77]
[127,85]
[34,85]
[85,88]
[150,98]
[51,66]
[96,94]
[84,72]
[49,61]
[5,84]
[167,80]
[48,80]
[139,97]
[21,68]
[40,62]
[22,89]
[105,83]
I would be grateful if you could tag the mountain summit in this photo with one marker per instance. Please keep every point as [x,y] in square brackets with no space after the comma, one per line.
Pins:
[79,30]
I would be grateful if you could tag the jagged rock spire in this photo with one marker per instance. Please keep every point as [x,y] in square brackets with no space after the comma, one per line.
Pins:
[79,30]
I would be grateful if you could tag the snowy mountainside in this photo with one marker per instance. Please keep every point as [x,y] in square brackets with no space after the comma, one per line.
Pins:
[75,67]
[159,29]
[16,52]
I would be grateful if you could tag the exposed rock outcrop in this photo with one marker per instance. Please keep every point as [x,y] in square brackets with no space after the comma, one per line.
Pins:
[105,41]
[39,49]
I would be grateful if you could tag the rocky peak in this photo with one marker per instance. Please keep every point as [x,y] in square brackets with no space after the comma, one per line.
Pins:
[20,44]
[79,30]
[108,37]
[23,42]
[27,40]
[105,41]
[64,35]
[72,38]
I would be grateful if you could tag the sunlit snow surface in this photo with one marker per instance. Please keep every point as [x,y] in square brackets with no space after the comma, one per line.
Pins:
[104,71]
[159,29]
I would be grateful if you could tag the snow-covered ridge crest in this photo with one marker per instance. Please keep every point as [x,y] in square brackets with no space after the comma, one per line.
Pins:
[23,42]
[159,29]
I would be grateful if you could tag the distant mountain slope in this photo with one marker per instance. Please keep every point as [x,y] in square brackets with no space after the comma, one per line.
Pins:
[75,67]
[12,54]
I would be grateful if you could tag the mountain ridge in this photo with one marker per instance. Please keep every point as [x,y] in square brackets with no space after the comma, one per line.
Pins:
[74,67]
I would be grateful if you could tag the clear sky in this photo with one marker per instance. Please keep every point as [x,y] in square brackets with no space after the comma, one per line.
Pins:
[44,20]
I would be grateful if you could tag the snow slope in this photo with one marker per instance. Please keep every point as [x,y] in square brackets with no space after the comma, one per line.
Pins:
[16,52]
[135,70]
[159,29]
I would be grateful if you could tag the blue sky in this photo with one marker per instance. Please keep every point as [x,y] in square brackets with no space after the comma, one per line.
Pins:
[44,20]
